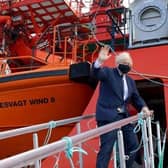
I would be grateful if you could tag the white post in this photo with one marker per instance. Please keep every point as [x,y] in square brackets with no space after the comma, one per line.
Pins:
[158,138]
[35,145]
[80,145]
[151,153]
[115,155]
[146,145]
[121,149]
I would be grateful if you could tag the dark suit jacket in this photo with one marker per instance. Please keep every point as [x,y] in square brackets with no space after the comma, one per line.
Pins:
[111,93]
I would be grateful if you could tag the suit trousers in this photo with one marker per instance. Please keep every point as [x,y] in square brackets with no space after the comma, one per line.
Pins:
[107,142]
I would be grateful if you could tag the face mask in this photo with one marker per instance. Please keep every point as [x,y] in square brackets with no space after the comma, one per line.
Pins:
[124,68]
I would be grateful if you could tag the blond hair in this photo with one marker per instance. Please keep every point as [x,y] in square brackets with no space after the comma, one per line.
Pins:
[123,57]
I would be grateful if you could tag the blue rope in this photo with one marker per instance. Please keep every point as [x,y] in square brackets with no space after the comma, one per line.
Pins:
[139,123]
[52,124]
[69,149]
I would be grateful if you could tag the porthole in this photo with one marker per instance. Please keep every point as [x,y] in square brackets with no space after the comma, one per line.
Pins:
[150,17]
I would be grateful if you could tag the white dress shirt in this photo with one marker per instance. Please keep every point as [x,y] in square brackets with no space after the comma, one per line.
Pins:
[125,87]
[97,64]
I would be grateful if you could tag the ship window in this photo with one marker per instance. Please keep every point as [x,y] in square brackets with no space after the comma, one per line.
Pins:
[150,17]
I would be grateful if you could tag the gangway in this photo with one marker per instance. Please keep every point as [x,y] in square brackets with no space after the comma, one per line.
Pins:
[67,143]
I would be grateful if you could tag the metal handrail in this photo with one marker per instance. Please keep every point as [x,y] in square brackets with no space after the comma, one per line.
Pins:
[25,158]
[39,127]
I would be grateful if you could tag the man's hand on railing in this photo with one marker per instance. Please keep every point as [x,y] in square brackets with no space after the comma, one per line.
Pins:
[147,112]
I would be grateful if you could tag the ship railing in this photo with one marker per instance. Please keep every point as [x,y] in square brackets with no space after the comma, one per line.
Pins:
[34,155]
[71,48]
[43,126]
[7,69]
[39,127]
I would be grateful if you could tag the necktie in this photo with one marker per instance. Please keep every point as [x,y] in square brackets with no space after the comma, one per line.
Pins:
[125,87]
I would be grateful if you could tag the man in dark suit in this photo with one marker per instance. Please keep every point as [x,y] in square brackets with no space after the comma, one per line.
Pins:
[117,90]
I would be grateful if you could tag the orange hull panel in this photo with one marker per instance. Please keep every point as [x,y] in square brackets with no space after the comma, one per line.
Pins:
[38,100]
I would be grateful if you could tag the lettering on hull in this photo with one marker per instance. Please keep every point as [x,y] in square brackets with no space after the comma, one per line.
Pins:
[24,102]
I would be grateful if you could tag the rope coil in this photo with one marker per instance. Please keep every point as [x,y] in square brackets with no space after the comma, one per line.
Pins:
[70,149]
[139,123]
[52,124]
